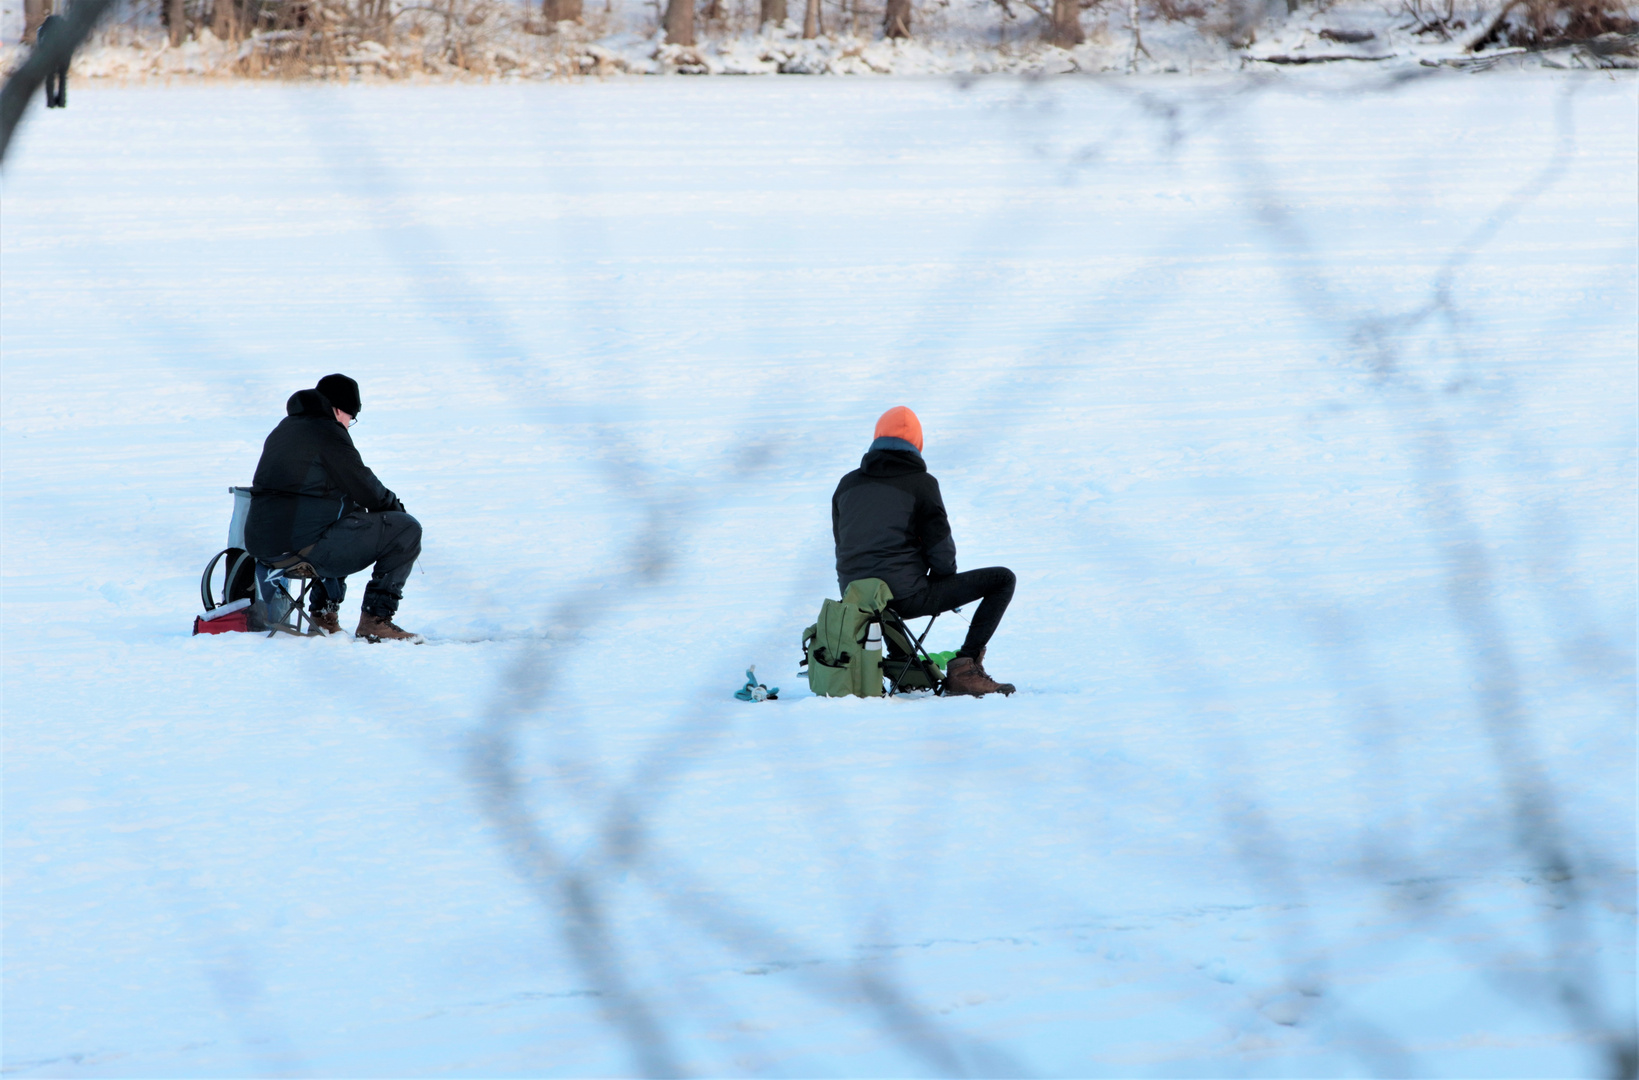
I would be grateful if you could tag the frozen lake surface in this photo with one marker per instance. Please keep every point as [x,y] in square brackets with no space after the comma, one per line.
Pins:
[1304,411]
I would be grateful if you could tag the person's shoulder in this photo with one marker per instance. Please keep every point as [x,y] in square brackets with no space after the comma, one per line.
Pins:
[920,476]
[335,434]
[927,486]
[321,430]
[317,423]
[849,479]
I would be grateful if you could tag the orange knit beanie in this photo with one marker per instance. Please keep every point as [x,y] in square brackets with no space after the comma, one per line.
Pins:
[900,423]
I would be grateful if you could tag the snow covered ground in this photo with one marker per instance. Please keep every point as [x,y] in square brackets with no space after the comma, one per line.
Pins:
[1304,410]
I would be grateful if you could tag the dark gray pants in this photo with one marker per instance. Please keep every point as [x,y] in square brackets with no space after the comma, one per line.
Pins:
[390,540]
[993,586]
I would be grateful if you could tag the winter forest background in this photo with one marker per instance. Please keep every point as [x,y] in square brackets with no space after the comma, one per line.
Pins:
[391,39]
[1287,354]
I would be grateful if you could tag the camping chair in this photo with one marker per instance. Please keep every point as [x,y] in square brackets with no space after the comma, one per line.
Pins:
[278,591]
[286,611]
[917,671]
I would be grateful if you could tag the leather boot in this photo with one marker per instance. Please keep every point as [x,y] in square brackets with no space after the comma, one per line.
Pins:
[326,619]
[373,628]
[965,675]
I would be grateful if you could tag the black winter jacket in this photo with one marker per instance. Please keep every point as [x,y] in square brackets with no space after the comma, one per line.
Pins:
[309,476]
[889,522]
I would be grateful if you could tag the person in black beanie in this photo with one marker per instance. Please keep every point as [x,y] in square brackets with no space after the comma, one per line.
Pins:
[314,497]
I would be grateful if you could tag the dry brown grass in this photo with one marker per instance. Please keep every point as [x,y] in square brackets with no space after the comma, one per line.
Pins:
[1538,24]
[343,38]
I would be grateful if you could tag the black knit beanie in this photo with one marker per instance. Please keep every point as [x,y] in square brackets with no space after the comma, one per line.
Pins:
[342,392]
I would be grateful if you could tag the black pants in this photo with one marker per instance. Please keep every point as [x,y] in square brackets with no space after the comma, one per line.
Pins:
[390,540]
[57,89]
[993,585]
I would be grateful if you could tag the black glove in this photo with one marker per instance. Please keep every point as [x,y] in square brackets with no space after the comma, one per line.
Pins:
[395,504]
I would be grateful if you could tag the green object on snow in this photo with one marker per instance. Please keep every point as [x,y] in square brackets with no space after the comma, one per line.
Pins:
[942,659]
[836,648]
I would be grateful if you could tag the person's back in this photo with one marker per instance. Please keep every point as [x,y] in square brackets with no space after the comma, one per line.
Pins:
[308,472]
[314,499]
[888,521]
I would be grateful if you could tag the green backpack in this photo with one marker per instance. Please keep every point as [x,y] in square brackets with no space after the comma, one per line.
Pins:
[836,648]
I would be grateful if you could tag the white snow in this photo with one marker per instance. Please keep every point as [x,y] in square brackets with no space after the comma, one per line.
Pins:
[1323,757]
[225,609]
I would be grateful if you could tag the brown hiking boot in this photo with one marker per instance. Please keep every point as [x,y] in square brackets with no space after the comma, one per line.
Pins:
[326,619]
[373,628]
[965,675]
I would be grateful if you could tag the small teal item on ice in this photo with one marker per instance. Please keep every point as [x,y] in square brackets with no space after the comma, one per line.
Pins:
[754,690]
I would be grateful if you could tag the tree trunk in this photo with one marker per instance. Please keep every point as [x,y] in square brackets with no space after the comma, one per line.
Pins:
[680,22]
[896,21]
[34,13]
[224,21]
[1138,39]
[773,11]
[178,20]
[810,20]
[557,11]
[1065,28]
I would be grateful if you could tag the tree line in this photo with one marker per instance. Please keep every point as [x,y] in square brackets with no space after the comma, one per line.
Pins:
[231,20]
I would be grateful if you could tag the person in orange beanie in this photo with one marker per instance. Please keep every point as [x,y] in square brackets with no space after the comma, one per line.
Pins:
[888,520]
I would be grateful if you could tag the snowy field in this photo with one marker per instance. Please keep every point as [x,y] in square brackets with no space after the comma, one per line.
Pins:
[1304,410]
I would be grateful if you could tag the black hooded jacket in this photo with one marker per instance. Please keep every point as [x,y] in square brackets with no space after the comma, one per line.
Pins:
[309,476]
[889,522]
